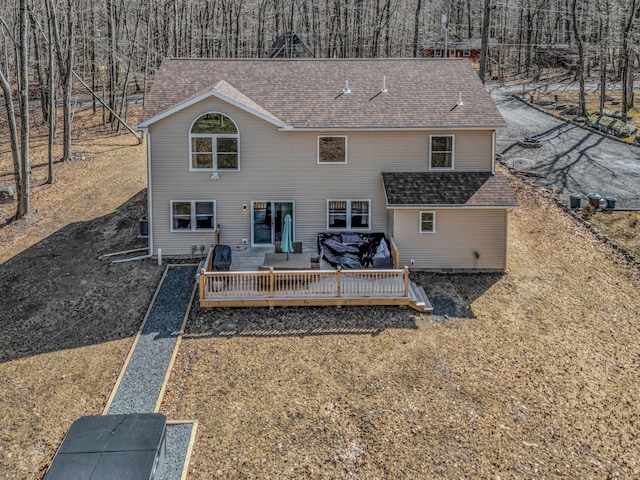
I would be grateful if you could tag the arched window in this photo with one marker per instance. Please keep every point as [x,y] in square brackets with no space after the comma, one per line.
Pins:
[214,143]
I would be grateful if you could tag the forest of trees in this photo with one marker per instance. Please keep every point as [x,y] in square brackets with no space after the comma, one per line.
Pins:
[113,47]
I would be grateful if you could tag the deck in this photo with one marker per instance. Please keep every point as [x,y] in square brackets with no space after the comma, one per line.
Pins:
[246,286]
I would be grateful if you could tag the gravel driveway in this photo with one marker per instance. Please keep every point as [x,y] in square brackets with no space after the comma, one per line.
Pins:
[571,159]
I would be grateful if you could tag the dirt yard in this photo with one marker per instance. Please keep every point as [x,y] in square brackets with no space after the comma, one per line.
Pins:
[624,227]
[534,374]
[68,318]
[569,98]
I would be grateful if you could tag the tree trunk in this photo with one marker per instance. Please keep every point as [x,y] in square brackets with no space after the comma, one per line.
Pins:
[416,29]
[626,61]
[582,110]
[52,102]
[13,133]
[23,53]
[484,47]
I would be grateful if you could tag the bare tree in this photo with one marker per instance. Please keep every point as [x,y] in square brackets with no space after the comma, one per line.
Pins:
[416,28]
[577,33]
[65,50]
[484,48]
[626,58]
[24,193]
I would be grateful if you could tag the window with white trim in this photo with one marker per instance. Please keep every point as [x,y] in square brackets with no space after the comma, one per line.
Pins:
[332,149]
[193,215]
[427,222]
[348,214]
[213,143]
[441,152]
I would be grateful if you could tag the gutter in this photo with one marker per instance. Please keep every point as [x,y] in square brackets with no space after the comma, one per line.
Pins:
[453,207]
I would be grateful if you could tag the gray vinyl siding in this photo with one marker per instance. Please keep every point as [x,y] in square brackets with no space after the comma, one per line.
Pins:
[459,233]
[282,166]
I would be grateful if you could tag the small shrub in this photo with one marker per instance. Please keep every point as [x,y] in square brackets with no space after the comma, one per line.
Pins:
[635,218]
[588,210]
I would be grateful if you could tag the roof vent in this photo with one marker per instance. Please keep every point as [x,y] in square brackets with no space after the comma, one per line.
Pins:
[383,89]
[345,90]
[458,103]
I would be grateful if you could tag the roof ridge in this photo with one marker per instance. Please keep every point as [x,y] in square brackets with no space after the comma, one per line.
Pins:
[315,60]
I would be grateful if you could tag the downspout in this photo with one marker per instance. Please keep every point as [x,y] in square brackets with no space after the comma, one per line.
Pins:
[149,194]
[506,239]
[493,152]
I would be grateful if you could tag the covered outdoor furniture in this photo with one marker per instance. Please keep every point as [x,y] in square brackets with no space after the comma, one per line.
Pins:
[355,249]
[221,260]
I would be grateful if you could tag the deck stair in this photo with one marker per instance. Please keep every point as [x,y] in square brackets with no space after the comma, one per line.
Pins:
[418,298]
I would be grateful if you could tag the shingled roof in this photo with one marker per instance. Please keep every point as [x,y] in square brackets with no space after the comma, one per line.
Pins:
[301,93]
[447,189]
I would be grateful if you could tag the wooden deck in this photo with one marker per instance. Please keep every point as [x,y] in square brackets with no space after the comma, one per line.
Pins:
[269,288]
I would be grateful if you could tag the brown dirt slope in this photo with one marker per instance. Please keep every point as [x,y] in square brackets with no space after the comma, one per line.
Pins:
[68,318]
[533,375]
[624,227]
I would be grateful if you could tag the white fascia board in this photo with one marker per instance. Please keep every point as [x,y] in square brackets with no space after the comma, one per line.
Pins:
[199,98]
[387,129]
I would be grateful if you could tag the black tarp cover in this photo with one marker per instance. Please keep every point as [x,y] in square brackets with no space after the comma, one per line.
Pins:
[354,249]
[221,258]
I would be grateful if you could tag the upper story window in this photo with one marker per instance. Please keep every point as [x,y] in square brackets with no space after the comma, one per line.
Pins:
[214,143]
[441,152]
[332,149]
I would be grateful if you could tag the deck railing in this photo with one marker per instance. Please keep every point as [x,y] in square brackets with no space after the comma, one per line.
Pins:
[287,283]
[395,253]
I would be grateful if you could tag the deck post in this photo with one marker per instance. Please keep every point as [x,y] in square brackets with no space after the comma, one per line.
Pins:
[406,281]
[339,269]
[271,281]
[202,283]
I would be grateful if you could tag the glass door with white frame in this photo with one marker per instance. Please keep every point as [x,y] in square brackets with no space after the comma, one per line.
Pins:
[267,221]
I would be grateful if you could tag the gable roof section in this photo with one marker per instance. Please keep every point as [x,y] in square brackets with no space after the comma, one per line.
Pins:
[447,189]
[301,93]
[227,93]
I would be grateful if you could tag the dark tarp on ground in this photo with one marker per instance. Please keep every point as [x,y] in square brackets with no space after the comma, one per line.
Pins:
[355,249]
[221,258]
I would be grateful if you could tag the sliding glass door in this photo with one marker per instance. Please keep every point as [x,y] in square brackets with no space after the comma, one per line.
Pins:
[267,221]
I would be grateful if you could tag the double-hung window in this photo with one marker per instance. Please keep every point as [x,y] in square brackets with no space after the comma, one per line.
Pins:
[427,222]
[193,215]
[214,143]
[332,149]
[348,214]
[441,151]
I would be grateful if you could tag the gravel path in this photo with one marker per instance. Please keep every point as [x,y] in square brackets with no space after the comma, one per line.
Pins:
[140,387]
[572,159]
[178,436]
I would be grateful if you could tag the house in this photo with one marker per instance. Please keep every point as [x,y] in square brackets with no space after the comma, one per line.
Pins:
[400,146]
[289,45]
[458,47]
